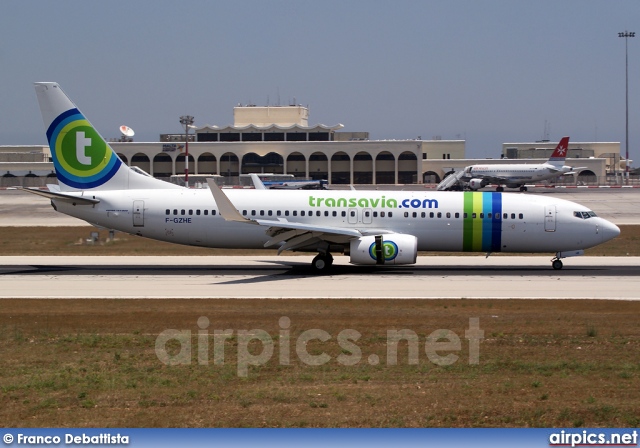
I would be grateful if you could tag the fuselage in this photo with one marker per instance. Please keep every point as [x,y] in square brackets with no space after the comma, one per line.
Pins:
[517,174]
[441,221]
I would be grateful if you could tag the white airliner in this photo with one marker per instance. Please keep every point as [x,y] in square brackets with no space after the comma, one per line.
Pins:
[372,227]
[514,175]
[282,182]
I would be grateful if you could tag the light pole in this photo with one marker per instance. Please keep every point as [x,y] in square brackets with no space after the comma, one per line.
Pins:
[626,36]
[187,122]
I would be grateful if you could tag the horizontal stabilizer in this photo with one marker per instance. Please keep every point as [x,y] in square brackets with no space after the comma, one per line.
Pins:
[65,197]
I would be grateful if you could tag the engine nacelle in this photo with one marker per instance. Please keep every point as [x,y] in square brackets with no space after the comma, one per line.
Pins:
[393,248]
[476,184]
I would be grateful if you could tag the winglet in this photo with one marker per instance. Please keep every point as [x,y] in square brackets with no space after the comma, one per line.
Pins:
[226,207]
[560,153]
[257,183]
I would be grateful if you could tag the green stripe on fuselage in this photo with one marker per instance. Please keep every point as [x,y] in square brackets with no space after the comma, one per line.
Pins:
[473,234]
[467,227]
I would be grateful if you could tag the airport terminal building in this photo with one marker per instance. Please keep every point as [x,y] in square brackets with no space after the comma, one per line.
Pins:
[279,140]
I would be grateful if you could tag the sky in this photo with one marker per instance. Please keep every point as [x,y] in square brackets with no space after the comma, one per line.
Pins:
[488,72]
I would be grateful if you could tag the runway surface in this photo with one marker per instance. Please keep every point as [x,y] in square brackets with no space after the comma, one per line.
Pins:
[290,277]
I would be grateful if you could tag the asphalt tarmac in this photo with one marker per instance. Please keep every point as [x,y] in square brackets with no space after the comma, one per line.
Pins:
[470,277]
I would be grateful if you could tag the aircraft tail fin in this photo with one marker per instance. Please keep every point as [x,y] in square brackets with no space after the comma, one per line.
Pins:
[560,153]
[83,160]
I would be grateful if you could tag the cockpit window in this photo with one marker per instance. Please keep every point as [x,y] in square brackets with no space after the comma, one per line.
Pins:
[584,215]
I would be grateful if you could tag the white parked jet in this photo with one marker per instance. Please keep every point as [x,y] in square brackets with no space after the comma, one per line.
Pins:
[514,175]
[372,227]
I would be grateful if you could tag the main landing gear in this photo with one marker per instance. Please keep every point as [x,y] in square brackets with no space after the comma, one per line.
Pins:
[322,262]
[523,188]
[556,264]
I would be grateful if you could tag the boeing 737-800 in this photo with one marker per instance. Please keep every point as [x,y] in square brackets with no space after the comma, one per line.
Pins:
[372,227]
[515,175]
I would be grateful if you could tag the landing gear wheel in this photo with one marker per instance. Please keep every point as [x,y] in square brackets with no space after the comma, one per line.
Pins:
[500,189]
[556,264]
[322,263]
[523,188]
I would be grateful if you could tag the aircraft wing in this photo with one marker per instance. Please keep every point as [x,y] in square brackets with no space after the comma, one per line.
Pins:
[572,171]
[489,179]
[65,197]
[291,235]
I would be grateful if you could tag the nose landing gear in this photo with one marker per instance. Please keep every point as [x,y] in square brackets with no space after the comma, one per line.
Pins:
[556,263]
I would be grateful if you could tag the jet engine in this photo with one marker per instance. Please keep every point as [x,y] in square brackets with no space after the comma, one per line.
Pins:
[476,184]
[394,248]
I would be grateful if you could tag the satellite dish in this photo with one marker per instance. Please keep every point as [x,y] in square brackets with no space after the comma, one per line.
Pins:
[127,131]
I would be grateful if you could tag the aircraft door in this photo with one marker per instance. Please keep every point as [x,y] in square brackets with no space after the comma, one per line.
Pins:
[367,214]
[550,218]
[138,213]
[352,214]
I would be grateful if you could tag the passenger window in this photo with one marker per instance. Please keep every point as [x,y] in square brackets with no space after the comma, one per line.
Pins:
[457,215]
[318,213]
[431,214]
[206,212]
[278,213]
[406,214]
[244,212]
[302,213]
[168,212]
[343,213]
[382,214]
[465,216]
[213,212]
[326,213]
[415,214]
[375,214]
[334,213]
[390,214]
[439,214]
[448,215]
[198,212]
[489,215]
[353,213]
[182,212]
[253,213]
[270,213]
[513,216]
[175,211]
[295,213]
[261,212]
[190,212]
[367,213]
[521,216]
[481,215]
[473,215]
[423,215]
[286,213]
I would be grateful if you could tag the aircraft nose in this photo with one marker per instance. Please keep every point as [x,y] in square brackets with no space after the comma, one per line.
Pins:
[609,231]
